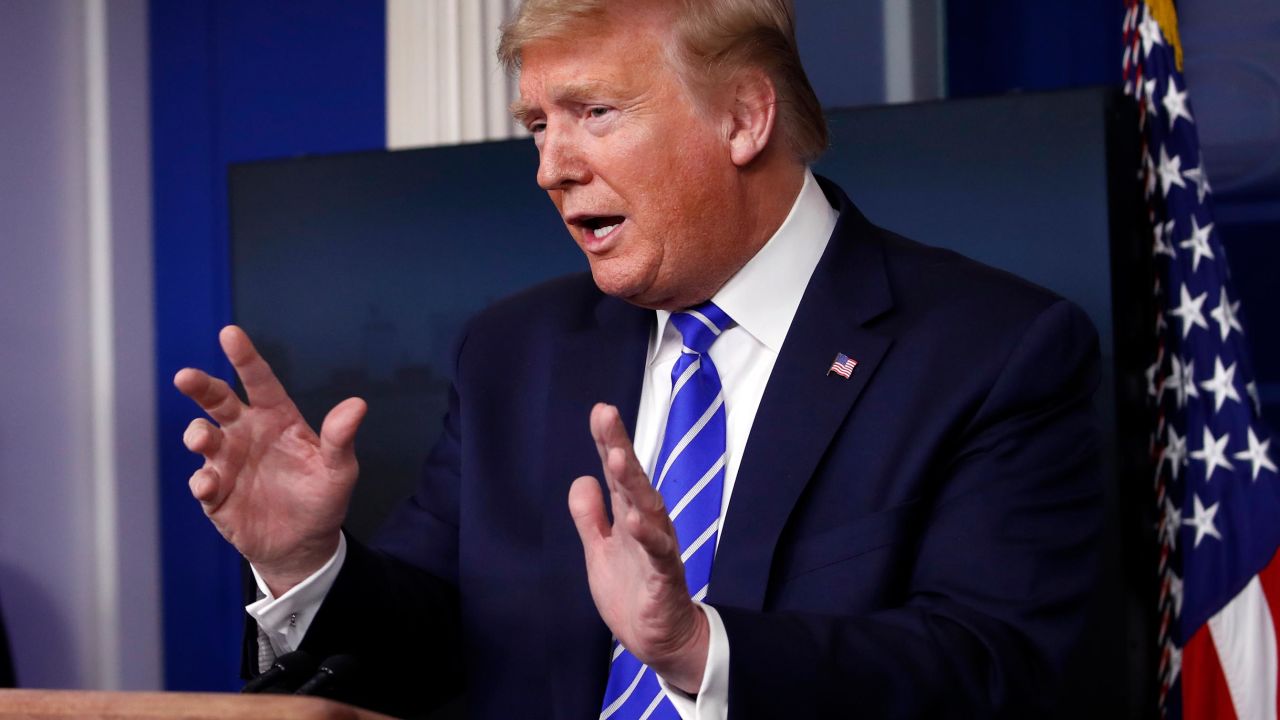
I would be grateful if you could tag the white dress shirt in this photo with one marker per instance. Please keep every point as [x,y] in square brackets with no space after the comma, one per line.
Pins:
[762,299]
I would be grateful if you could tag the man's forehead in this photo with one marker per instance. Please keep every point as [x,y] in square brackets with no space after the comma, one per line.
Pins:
[562,72]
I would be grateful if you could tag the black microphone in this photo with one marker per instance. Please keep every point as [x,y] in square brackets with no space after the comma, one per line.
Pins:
[330,675]
[288,670]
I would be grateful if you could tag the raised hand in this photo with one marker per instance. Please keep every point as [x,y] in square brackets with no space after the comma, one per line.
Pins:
[272,486]
[633,566]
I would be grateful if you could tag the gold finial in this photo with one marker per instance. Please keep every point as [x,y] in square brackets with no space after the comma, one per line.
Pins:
[1167,18]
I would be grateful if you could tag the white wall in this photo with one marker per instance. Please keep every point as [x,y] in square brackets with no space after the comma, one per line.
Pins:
[78,566]
[444,84]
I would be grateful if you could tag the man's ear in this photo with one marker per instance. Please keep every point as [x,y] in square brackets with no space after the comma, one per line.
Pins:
[753,115]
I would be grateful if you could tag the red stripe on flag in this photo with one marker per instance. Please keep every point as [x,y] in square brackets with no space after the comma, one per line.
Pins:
[1270,580]
[1204,687]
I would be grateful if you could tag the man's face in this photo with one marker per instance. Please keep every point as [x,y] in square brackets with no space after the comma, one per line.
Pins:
[641,175]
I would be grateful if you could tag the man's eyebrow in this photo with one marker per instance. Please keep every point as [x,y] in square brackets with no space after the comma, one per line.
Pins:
[520,110]
[579,91]
[571,92]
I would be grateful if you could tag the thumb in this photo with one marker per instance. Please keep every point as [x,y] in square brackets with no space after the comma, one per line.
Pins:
[586,505]
[338,434]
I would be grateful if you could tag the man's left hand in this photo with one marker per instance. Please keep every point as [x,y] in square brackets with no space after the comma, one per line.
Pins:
[633,565]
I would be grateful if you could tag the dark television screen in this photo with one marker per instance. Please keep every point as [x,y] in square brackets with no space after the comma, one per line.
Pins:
[355,273]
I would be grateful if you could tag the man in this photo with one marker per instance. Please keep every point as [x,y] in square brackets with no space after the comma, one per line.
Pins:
[874,461]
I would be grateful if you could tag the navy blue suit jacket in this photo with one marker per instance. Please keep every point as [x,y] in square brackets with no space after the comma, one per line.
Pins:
[915,541]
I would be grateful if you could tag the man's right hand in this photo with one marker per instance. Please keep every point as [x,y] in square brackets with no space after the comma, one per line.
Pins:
[272,487]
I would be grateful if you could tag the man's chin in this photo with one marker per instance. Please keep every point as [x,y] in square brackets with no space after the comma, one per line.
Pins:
[637,290]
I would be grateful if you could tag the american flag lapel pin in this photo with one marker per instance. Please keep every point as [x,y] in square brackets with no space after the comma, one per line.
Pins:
[843,366]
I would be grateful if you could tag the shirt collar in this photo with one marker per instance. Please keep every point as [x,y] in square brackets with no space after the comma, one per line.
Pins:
[763,296]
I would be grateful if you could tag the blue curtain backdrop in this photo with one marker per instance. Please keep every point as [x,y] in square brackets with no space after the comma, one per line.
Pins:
[999,46]
[232,81]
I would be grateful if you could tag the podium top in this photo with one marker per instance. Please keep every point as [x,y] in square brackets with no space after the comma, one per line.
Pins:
[195,706]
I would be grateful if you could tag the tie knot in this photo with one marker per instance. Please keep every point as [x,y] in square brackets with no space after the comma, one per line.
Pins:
[700,326]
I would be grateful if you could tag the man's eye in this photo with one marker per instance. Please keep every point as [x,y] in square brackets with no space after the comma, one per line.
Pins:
[598,111]
[537,127]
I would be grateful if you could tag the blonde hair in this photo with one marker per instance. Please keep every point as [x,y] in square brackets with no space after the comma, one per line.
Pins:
[714,40]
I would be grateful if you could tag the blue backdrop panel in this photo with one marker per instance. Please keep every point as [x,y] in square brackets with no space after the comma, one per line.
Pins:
[232,80]
[842,48]
[996,46]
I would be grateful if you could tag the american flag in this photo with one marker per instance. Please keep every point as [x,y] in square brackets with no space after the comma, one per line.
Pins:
[843,365]
[1216,485]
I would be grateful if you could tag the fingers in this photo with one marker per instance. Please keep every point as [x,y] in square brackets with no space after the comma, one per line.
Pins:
[214,396]
[599,421]
[632,484]
[586,505]
[202,437]
[655,534]
[260,383]
[207,487]
[625,477]
[338,434]
[646,519]
[629,487]
[608,431]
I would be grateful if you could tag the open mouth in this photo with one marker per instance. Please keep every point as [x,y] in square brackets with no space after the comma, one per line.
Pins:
[601,226]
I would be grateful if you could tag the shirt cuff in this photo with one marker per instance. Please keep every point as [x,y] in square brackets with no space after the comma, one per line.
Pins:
[712,700]
[284,620]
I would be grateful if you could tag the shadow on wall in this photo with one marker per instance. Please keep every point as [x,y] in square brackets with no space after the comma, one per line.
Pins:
[41,627]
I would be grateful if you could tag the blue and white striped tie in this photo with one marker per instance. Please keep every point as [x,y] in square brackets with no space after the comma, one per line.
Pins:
[689,475]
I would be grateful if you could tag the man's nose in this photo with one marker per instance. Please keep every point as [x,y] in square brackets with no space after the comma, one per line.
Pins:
[561,161]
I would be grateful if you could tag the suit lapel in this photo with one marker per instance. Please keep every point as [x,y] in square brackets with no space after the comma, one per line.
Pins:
[803,405]
[601,361]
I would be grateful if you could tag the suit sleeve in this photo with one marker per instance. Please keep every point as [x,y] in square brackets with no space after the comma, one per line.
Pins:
[997,596]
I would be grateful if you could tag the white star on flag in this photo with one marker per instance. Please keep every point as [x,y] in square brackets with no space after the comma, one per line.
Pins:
[1175,592]
[1189,389]
[1164,240]
[1149,93]
[1251,387]
[1170,171]
[1170,523]
[1149,172]
[1222,385]
[1213,453]
[1190,313]
[1257,455]
[1175,452]
[1176,103]
[1202,521]
[1225,315]
[1174,382]
[1150,31]
[1196,175]
[1175,662]
[1199,243]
